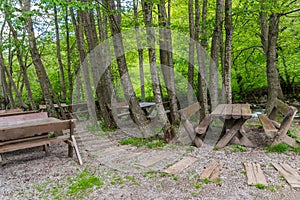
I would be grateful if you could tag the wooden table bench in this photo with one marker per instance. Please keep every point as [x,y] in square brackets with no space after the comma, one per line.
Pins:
[234,116]
[277,124]
[31,130]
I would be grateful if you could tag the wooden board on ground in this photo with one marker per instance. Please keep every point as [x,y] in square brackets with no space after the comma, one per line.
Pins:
[291,175]
[153,160]
[212,171]
[181,165]
[255,174]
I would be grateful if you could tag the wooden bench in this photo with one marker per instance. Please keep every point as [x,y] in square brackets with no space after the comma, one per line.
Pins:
[77,110]
[277,124]
[32,130]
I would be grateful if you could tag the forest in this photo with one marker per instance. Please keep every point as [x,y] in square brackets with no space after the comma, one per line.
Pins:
[181,51]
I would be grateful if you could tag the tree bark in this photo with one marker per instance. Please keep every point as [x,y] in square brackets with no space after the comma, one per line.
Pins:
[169,132]
[215,48]
[166,60]
[140,49]
[228,43]
[136,112]
[191,53]
[58,53]
[201,58]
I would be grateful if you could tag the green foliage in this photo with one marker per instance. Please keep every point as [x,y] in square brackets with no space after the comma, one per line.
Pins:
[238,148]
[151,142]
[282,147]
[260,186]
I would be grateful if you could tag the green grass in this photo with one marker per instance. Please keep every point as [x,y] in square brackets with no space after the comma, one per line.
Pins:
[260,186]
[282,147]
[150,143]
[238,148]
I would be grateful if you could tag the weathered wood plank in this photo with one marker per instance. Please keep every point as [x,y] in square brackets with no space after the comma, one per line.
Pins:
[268,126]
[155,159]
[255,174]
[227,112]
[291,175]
[181,165]
[22,117]
[236,111]
[212,171]
[76,149]
[230,133]
[190,110]
[219,110]
[203,126]
[246,111]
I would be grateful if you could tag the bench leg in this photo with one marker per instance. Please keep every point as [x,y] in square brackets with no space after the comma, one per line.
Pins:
[76,149]
[46,149]
[1,160]
[70,149]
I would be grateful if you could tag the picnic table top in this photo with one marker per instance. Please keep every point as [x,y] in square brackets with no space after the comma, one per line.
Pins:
[142,105]
[234,111]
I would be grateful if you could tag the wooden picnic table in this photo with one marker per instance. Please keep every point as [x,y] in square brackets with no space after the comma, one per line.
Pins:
[147,107]
[234,116]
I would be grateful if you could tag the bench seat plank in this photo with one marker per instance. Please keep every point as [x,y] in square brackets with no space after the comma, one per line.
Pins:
[267,124]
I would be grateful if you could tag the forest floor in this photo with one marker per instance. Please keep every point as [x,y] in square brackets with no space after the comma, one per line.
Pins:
[114,171]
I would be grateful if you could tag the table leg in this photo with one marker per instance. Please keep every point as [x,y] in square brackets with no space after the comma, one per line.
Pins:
[231,127]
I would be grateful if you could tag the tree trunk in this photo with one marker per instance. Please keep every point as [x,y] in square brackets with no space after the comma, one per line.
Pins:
[201,57]
[166,60]
[272,73]
[136,112]
[60,64]
[228,43]
[215,48]
[169,132]
[39,67]
[191,53]
[140,50]
[68,46]
[84,66]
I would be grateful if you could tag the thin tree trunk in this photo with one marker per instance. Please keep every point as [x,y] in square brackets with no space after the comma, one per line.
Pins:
[191,53]
[58,53]
[70,75]
[201,57]
[136,112]
[85,71]
[228,43]
[215,48]
[140,50]
[166,59]
[169,132]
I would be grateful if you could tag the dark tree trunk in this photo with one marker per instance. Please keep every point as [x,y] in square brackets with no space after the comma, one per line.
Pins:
[215,48]
[166,60]
[169,132]
[58,53]
[191,53]
[201,57]
[136,112]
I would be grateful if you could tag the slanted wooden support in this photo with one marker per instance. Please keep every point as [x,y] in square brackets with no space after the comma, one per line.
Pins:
[268,126]
[255,174]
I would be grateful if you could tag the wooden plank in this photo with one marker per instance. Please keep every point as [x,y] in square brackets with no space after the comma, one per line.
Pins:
[31,143]
[291,175]
[212,171]
[268,126]
[190,110]
[181,165]
[8,133]
[282,107]
[218,110]
[246,111]
[227,112]
[153,160]
[255,174]
[203,126]
[236,111]
[230,133]
[29,116]
[23,139]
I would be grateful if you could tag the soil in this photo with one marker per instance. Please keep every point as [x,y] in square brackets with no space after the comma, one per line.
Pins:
[29,174]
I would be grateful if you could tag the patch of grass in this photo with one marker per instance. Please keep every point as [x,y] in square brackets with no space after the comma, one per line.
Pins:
[253,124]
[218,181]
[150,143]
[238,148]
[131,178]
[243,172]
[216,148]
[260,186]
[198,185]
[175,178]
[206,181]
[282,147]
[82,182]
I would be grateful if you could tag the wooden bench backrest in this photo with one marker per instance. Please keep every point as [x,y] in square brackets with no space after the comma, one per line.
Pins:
[11,110]
[190,110]
[23,117]
[283,108]
[78,106]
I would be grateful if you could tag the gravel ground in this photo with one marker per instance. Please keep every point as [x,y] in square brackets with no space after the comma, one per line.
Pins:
[28,174]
